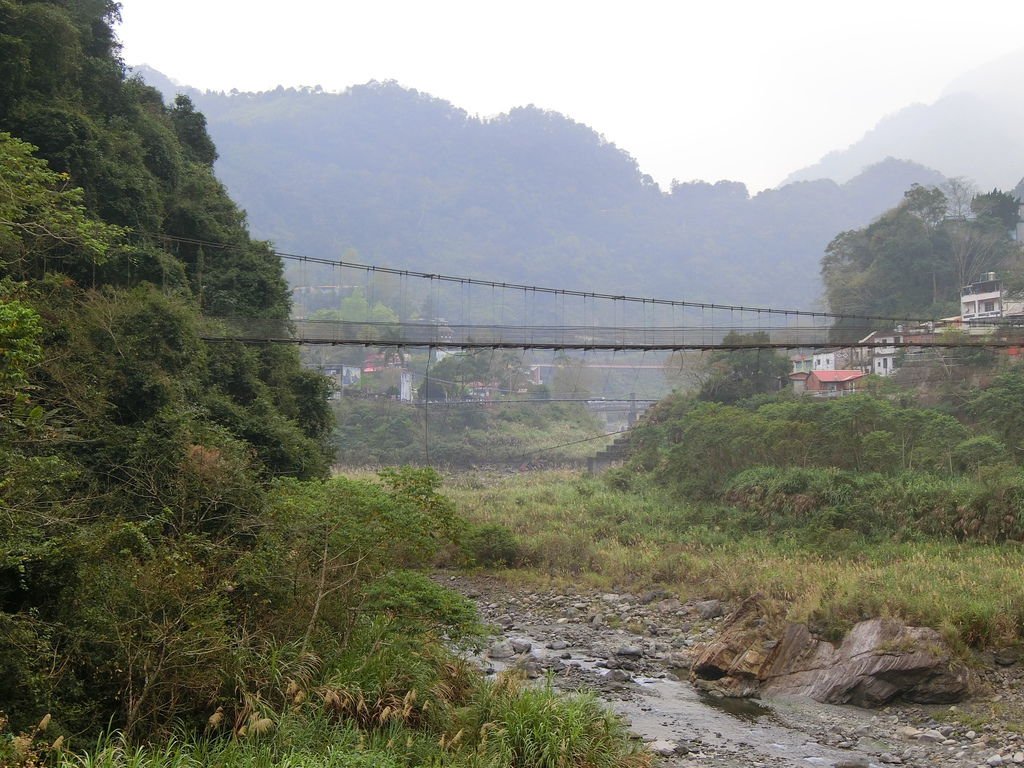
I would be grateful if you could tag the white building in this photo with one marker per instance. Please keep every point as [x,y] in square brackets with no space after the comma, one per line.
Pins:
[881,360]
[982,301]
[824,360]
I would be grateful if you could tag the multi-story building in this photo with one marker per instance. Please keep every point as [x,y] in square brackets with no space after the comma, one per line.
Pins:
[982,301]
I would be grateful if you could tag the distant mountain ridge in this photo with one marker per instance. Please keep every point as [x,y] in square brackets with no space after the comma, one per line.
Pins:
[975,129]
[406,179]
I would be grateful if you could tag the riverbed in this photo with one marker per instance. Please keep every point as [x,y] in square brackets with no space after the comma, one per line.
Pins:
[634,652]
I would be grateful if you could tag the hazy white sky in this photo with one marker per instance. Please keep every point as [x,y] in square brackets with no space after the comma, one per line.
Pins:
[716,89]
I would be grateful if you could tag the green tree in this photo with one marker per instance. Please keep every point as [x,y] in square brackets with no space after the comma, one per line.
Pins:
[1000,408]
[43,220]
[1001,207]
[739,374]
[190,127]
[914,259]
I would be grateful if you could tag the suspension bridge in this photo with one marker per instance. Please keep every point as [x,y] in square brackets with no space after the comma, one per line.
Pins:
[353,304]
[349,305]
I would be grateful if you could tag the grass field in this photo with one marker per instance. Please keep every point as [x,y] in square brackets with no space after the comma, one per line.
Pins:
[577,530]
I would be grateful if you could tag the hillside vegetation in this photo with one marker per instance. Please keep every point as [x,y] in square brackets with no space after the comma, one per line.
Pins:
[914,259]
[180,582]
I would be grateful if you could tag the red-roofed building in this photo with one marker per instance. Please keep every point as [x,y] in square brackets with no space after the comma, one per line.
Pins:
[833,382]
[799,381]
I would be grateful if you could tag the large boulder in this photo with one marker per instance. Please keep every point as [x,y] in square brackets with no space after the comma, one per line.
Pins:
[878,661]
[731,664]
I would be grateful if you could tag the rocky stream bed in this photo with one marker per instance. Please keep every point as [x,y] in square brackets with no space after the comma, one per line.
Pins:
[636,652]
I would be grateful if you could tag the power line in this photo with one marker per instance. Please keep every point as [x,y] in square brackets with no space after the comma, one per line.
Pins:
[564,445]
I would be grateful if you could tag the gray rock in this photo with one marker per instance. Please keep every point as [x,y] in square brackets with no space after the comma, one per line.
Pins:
[1006,657]
[501,650]
[521,646]
[630,651]
[878,660]
[710,609]
[662,748]
[649,597]
[619,676]
[530,667]
[557,645]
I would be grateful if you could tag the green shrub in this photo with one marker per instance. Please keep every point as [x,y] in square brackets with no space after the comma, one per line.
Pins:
[493,546]
[528,726]
[415,602]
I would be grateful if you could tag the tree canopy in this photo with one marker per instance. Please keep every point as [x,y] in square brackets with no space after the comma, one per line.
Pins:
[915,258]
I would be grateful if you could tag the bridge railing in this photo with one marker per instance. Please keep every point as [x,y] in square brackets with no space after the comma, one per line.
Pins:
[420,334]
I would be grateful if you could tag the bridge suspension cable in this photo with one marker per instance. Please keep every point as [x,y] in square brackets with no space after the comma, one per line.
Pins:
[562,292]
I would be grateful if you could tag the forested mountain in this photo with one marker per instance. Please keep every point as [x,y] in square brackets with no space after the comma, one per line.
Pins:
[408,180]
[972,130]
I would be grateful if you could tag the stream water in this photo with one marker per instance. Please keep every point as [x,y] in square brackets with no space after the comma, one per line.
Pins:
[710,730]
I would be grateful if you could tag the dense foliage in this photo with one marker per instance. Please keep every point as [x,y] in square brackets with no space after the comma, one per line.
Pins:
[733,375]
[135,459]
[863,463]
